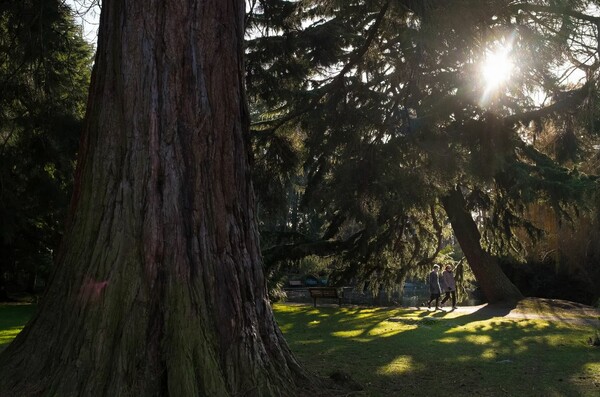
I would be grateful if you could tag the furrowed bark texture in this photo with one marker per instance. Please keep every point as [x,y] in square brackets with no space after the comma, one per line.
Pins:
[159,289]
[493,282]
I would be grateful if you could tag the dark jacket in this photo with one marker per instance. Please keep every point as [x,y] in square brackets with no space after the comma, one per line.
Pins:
[447,282]
[434,282]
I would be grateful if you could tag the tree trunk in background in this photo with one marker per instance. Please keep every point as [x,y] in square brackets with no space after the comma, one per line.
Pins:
[158,289]
[494,284]
[3,291]
[6,262]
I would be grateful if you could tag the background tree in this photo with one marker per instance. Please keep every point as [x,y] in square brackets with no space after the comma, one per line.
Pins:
[159,288]
[44,76]
[399,124]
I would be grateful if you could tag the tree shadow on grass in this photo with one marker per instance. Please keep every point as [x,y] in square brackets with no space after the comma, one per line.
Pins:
[393,352]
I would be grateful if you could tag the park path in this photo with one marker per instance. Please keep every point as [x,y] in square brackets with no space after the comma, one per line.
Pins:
[540,309]
[554,310]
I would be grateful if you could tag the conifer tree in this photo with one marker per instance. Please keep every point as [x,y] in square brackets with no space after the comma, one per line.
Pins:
[44,76]
[399,124]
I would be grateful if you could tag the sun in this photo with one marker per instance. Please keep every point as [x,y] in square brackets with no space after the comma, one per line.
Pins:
[497,68]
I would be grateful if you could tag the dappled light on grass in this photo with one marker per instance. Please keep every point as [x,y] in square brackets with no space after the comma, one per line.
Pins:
[449,340]
[12,320]
[593,368]
[464,359]
[478,339]
[286,327]
[311,341]
[400,365]
[7,335]
[360,336]
[533,325]
[489,354]
[355,333]
[386,332]
[396,351]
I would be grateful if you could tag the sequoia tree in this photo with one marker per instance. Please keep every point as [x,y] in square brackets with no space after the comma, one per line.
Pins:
[158,288]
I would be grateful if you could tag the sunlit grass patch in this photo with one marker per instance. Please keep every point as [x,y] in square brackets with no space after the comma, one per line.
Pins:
[12,320]
[400,365]
[7,335]
[479,326]
[593,369]
[449,340]
[532,326]
[355,333]
[286,327]
[478,339]
[488,354]
[387,331]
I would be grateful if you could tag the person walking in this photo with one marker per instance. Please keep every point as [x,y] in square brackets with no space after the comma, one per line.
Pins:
[448,285]
[434,287]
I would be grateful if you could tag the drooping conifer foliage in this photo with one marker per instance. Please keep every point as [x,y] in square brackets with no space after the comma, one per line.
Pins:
[44,74]
[394,129]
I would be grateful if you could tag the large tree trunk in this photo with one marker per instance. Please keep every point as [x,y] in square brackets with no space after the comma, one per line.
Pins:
[493,282]
[159,289]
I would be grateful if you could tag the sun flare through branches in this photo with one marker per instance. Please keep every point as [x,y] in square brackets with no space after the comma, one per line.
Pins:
[496,70]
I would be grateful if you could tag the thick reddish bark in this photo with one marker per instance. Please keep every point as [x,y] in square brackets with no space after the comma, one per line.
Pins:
[159,289]
[493,282]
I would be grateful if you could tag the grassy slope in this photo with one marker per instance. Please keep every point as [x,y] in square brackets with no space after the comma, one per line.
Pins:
[394,352]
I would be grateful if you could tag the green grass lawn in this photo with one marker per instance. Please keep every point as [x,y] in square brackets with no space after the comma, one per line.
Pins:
[12,320]
[400,352]
[419,353]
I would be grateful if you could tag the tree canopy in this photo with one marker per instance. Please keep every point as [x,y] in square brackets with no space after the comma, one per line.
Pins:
[386,110]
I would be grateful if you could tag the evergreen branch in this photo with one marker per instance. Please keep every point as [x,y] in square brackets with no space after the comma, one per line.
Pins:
[304,249]
[555,10]
[570,99]
[339,78]
[439,237]
[438,229]
[358,55]
[251,6]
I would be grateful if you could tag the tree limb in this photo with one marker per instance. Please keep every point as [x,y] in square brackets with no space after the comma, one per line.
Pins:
[570,99]
[555,10]
[304,249]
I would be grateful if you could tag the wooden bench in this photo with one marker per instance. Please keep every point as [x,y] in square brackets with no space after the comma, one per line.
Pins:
[295,283]
[325,292]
